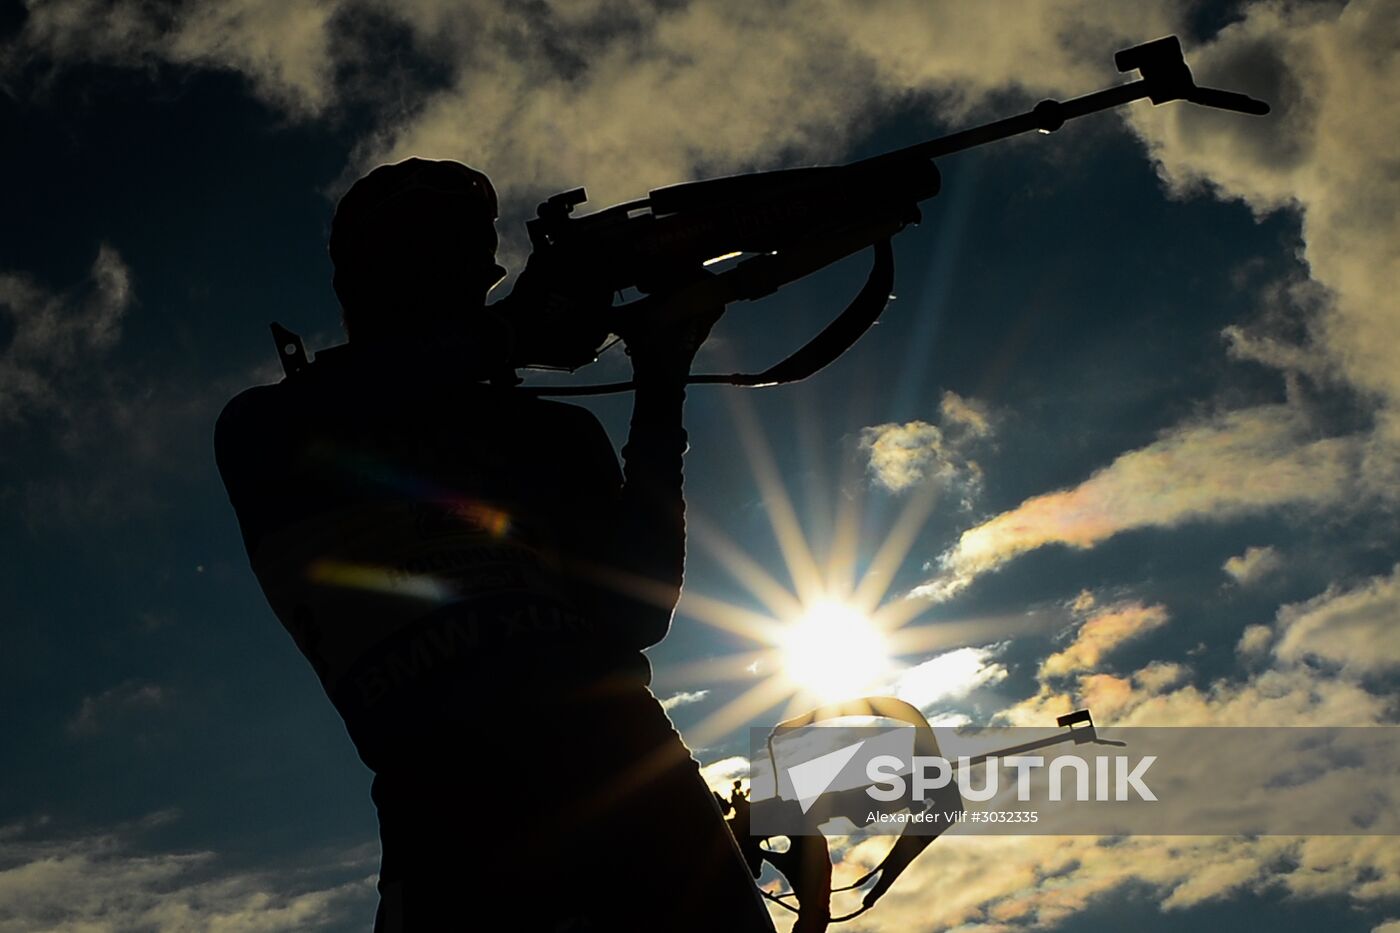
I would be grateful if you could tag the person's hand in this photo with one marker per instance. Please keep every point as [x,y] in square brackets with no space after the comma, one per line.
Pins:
[551,285]
[559,312]
[665,333]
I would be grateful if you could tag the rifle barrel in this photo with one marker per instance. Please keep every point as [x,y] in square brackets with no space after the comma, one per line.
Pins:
[1046,742]
[1047,116]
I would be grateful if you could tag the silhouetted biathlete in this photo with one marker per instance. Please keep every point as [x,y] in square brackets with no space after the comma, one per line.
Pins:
[474,580]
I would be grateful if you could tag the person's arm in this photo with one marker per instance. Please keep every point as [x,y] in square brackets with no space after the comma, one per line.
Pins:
[240,454]
[638,571]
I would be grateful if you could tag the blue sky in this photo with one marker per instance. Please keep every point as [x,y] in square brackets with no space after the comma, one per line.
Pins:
[1137,388]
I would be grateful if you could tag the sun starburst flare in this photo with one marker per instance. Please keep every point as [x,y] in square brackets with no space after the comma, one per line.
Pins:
[831,634]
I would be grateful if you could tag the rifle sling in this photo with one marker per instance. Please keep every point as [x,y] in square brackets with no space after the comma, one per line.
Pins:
[822,350]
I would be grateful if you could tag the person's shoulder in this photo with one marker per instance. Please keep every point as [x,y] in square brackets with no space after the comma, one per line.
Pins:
[261,406]
[250,407]
[255,422]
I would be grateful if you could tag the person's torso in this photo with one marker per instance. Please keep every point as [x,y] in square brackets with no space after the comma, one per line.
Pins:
[416,543]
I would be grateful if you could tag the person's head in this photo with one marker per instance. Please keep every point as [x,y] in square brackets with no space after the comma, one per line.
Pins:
[414,249]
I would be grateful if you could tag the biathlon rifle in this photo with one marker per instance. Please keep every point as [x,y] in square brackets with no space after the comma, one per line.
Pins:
[790,223]
[806,862]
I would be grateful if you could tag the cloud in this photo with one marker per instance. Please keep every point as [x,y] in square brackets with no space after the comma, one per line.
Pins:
[50,339]
[1253,565]
[1254,640]
[129,698]
[1226,466]
[683,698]
[721,775]
[1157,676]
[101,436]
[949,676]
[1017,883]
[1296,696]
[902,456]
[1328,70]
[283,49]
[1351,628]
[99,882]
[622,95]
[968,415]
[1101,633]
[1358,628]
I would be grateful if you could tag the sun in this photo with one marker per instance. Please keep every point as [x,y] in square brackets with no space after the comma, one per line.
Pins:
[833,651]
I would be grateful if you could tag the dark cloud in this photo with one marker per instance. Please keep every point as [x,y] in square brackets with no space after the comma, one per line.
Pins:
[131,698]
[56,339]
